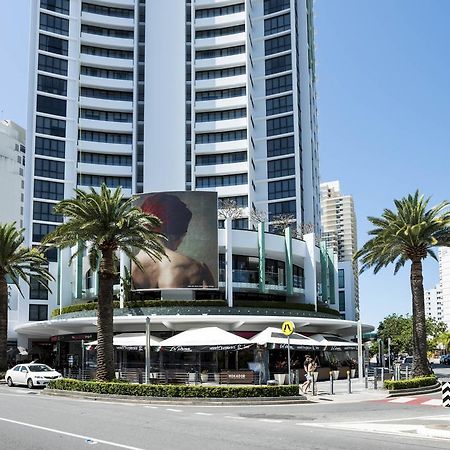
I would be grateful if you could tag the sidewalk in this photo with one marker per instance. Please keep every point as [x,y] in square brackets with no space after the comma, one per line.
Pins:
[341,392]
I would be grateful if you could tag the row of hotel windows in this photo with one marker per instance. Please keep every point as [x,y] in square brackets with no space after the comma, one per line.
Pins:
[219,11]
[107,11]
[58,6]
[228,114]
[219,73]
[216,32]
[221,158]
[219,52]
[220,93]
[106,52]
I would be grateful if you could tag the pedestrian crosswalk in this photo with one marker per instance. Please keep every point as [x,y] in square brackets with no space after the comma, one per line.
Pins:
[421,400]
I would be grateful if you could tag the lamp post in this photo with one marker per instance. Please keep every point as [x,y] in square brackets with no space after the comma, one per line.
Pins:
[147,350]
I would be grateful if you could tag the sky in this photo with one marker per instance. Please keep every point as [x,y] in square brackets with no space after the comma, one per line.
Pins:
[383,81]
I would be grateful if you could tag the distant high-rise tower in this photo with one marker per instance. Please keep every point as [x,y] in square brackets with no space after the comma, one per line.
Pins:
[444,282]
[339,232]
[433,303]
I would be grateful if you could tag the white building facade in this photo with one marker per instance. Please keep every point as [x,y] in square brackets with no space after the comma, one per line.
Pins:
[339,233]
[434,308]
[156,96]
[444,282]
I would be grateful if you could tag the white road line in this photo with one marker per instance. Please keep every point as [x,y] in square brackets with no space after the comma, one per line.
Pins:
[203,414]
[65,433]
[234,417]
[174,410]
[402,400]
[150,407]
[271,420]
[433,402]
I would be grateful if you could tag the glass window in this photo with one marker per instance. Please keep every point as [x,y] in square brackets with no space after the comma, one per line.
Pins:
[109,160]
[44,211]
[48,190]
[275,209]
[341,278]
[201,34]
[239,224]
[40,230]
[221,93]
[111,138]
[48,168]
[53,65]
[298,276]
[53,44]
[277,45]
[279,84]
[109,116]
[106,52]
[107,10]
[280,125]
[37,313]
[106,94]
[341,300]
[98,180]
[210,138]
[223,180]
[54,24]
[272,6]
[50,105]
[106,73]
[275,271]
[241,201]
[245,269]
[220,52]
[277,24]
[280,167]
[219,73]
[54,127]
[49,147]
[280,146]
[221,158]
[279,105]
[111,32]
[37,290]
[52,85]
[59,6]
[278,64]
[220,11]
[281,189]
[228,114]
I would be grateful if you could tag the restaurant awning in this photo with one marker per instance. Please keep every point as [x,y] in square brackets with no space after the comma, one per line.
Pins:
[335,343]
[273,338]
[208,339]
[129,341]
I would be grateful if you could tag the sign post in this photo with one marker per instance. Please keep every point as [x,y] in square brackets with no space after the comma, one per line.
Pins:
[147,350]
[288,328]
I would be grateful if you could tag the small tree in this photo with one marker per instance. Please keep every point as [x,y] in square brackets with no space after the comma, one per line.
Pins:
[17,263]
[228,209]
[282,221]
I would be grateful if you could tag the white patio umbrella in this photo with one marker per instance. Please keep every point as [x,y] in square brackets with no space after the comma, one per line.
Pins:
[129,341]
[206,339]
[334,343]
[274,338]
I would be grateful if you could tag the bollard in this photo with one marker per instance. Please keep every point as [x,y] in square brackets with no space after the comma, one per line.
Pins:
[331,384]
[382,376]
[366,377]
[375,376]
[349,382]
[407,372]
[313,385]
[445,394]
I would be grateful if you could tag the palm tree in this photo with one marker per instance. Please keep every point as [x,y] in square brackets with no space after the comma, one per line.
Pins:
[16,263]
[409,234]
[106,222]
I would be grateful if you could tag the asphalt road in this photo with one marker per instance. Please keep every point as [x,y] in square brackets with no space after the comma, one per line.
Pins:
[31,421]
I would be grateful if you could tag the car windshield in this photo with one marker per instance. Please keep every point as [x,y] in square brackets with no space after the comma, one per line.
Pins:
[39,368]
[408,360]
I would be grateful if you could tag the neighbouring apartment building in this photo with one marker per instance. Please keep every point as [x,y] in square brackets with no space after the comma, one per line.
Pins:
[434,308]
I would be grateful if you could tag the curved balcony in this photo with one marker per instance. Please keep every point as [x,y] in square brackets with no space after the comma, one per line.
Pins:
[106,83]
[227,20]
[222,103]
[107,41]
[220,41]
[105,62]
[221,125]
[105,147]
[221,83]
[221,169]
[222,61]
[108,105]
[221,146]
[106,21]
[99,169]
[103,125]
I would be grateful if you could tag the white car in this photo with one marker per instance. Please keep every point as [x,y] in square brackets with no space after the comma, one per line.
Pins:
[31,375]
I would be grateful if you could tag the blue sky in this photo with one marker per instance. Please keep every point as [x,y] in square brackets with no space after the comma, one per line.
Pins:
[384,110]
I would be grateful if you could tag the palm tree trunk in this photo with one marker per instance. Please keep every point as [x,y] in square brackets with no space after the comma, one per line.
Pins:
[420,360]
[3,323]
[105,331]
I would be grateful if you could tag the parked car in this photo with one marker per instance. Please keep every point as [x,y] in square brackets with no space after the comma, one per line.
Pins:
[406,363]
[31,375]
[445,359]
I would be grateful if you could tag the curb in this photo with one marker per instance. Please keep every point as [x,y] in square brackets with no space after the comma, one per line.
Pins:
[179,400]
[417,391]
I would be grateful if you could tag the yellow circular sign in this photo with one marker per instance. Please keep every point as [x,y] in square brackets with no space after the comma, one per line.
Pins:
[288,327]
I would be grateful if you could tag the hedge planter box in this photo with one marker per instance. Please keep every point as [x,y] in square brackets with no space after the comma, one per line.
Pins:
[411,383]
[167,390]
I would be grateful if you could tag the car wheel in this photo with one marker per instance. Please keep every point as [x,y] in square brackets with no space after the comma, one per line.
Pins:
[9,382]
[30,384]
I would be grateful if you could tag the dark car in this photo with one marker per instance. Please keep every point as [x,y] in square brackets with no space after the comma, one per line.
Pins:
[445,359]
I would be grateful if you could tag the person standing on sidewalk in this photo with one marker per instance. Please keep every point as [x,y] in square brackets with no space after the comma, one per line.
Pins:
[307,366]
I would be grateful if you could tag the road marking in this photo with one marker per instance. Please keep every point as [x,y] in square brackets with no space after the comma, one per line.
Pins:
[402,400]
[203,414]
[433,402]
[174,410]
[65,433]
[271,420]
[234,417]
[150,407]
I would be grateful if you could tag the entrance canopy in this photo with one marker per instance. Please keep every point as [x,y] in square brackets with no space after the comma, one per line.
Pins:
[208,339]
[130,341]
[335,343]
[274,338]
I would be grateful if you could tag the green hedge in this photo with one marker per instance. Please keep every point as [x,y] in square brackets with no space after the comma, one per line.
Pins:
[196,303]
[417,382]
[173,390]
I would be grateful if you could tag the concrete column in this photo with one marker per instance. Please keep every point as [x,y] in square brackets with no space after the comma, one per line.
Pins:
[310,269]
[289,259]
[229,262]
[262,257]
